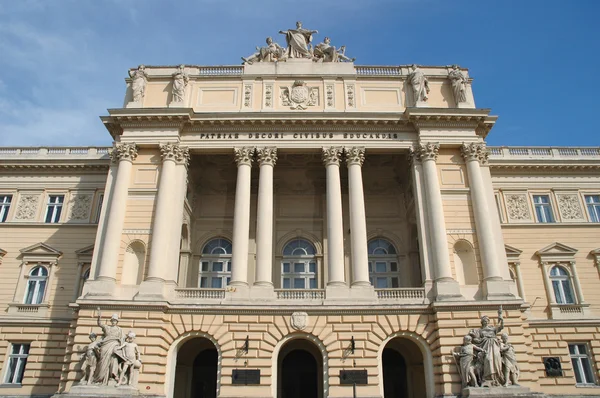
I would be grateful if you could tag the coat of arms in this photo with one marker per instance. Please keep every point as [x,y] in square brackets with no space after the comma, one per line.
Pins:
[299,96]
[299,320]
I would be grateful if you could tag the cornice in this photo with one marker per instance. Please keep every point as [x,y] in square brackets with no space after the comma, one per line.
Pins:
[47,165]
[544,167]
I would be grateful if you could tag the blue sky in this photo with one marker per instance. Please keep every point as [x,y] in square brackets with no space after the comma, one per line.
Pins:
[535,63]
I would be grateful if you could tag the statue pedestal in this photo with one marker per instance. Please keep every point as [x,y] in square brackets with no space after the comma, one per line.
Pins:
[500,392]
[134,104]
[100,391]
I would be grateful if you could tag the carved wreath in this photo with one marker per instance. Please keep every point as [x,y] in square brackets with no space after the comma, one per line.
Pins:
[299,96]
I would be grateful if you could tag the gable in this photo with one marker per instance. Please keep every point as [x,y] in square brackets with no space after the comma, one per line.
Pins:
[556,252]
[40,252]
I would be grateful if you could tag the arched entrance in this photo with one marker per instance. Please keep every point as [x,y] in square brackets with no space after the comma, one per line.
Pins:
[196,371]
[403,369]
[300,370]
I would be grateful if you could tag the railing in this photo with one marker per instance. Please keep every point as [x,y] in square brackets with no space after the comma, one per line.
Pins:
[300,294]
[220,70]
[377,70]
[402,294]
[570,309]
[44,151]
[545,152]
[198,293]
[28,308]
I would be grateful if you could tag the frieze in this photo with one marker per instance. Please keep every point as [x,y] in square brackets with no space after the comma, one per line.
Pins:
[309,136]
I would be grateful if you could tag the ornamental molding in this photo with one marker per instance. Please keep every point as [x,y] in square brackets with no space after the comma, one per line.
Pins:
[332,155]
[49,166]
[27,207]
[267,155]
[175,152]
[244,155]
[545,167]
[299,320]
[517,206]
[355,155]
[569,207]
[299,96]
[80,206]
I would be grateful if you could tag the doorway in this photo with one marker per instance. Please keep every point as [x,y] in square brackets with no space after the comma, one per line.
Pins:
[300,369]
[196,371]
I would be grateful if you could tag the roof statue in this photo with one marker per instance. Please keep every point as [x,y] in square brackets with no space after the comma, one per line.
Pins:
[298,46]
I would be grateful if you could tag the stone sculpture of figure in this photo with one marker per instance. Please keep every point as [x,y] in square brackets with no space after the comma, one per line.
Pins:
[509,361]
[459,84]
[485,338]
[180,82]
[108,366]
[271,53]
[298,41]
[138,84]
[465,361]
[129,353]
[419,83]
[327,53]
[90,359]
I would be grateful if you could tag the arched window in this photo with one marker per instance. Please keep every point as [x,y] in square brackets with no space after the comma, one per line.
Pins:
[215,264]
[299,265]
[383,264]
[561,284]
[36,286]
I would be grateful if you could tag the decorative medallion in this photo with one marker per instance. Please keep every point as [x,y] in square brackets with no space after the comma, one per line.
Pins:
[299,96]
[299,320]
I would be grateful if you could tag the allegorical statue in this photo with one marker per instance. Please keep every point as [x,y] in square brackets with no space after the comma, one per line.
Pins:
[486,339]
[419,84]
[271,53]
[298,41]
[509,361]
[108,365]
[90,360]
[129,354]
[465,360]
[459,84]
[180,82]
[325,52]
[139,79]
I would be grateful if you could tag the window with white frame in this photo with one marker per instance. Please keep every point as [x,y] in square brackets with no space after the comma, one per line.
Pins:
[36,285]
[84,277]
[215,264]
[561,285]
[593,206]
[17,359]
[383,264]
[54,208]
[580,358]
[4,206]
[299,265]
[99,208]
[543,208]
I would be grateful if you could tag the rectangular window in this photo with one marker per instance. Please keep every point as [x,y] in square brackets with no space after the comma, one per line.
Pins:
[99,208]
[17,360]
[55,203]
[582,367]
[593,205]
[543,209]
[4,206]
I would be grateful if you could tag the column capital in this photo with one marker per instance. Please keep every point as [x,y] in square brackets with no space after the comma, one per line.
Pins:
[426,151]
[475,152]
[332,155]
[267,155]
[244,155]
[175,152]
[355,155]
[127,151]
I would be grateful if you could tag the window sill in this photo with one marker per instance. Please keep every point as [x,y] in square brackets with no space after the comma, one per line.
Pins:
[28,309]
[570,311]
[587,386]
[16,385]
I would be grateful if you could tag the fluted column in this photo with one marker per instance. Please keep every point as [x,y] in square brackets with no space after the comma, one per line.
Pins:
[124,154]
[355,157]
[166,213]
[241,217]
[267,157]
[335,227]
[427,154]
[473,154]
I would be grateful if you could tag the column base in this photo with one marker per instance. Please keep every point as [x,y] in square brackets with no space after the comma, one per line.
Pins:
[99,288]
[447,290]
[496,392]
[155,289]
[176,104]
[134,104]
[498,289]
[337,293]
[363,293]
[263,291]
[238,293]
[421,104]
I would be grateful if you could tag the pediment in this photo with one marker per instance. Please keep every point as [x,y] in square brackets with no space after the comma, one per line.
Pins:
[595,252]
[512,253]
[40,252]
[86,251]
[2,253]
[556,251]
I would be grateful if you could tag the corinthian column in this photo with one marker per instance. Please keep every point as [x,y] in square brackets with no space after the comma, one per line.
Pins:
[446,286]
[355,158]
[241,217]
[267,157]
[335,228]
[124,155]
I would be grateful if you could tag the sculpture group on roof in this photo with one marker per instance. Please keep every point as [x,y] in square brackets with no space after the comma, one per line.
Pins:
[299,45]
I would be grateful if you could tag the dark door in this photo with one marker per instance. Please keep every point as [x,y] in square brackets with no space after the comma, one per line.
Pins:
[299,375]
[204,380]
[394,375]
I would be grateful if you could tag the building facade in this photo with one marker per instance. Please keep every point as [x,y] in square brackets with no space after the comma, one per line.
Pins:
[296,228]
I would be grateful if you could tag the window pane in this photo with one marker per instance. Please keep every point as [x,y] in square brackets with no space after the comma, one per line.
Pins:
[572,349]
[394,266]
[575,364]
[30,291]
[10,373]
[217,283]
[313,283]
[587,370]
[380,267]
[568,292]
[20,370]
[382,283]
[204,266]
[228,280]
[299,283]
[312,267]
[557,295]
[286,267]
[217,266]
[204,282]
[286,283]
[228,267]
[16,348]
[40,294]
[370,267]
[581,349]
[299,267]
[395,283]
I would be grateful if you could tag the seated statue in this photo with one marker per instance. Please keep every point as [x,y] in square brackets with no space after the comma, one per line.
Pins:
[271,53]
[325,52]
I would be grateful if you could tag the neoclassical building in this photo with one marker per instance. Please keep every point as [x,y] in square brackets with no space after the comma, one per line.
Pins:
[298,227]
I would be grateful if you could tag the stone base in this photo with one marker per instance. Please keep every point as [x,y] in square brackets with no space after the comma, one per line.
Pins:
[466,105]
[176,104]
[100,391]
[133,104]
[421,104]
[155,290]
[498,290]
[447,290]
[499,392]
